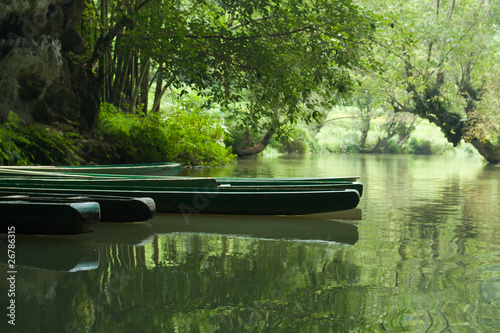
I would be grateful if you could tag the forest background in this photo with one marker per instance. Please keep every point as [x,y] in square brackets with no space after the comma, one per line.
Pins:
[200,82]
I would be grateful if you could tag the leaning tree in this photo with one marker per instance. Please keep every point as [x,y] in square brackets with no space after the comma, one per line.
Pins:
[440,61]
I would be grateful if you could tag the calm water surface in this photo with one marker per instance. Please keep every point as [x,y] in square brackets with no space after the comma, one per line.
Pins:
[420,254]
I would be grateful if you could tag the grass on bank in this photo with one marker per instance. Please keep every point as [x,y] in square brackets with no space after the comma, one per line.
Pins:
[190,137]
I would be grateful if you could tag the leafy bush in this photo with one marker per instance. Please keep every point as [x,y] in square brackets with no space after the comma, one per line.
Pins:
[392,146]
[338,139]
[189,136]
[294,139]
[427,139]
[420,147]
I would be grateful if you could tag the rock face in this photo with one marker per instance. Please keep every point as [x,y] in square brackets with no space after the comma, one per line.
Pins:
[41,75]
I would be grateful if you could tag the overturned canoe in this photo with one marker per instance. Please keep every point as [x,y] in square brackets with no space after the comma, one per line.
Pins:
[48,218]
[113,209]
[157,169]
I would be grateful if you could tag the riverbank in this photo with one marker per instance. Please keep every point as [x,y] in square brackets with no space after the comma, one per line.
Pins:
[192,138]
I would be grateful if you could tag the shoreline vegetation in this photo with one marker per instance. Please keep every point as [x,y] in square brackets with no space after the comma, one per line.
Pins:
[197,137]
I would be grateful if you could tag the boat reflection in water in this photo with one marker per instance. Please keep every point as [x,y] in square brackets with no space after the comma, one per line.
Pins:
[81,253]
[135,234]
[331,227]
[54,253]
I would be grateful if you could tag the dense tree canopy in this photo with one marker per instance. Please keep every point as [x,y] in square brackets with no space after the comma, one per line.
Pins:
[261,58]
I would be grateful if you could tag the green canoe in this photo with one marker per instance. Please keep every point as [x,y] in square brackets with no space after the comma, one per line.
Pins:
[182,183]
[222,201]
[282,196]
[151,169]
[113,209]
[178,184]
[48,218]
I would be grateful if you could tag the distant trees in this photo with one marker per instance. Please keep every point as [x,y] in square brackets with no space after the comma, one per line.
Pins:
[440,63]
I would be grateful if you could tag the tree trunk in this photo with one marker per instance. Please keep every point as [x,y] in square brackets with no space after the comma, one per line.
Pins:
[405,134]
[382,142]
[159,94]
[254,150]
[490,152]
[138,85]
[364,133]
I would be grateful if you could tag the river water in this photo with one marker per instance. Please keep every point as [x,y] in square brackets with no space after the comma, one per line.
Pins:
[421,253]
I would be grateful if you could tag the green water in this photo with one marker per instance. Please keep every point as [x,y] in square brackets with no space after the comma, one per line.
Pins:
[420,254]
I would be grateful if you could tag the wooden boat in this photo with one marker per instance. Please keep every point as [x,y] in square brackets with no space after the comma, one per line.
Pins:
[159,169]
[14,172]
[181,183]
[22,178]
[271,181]
[218,200]
[48,218]
[113,209]
[302,184]
[94,181]
[282,196]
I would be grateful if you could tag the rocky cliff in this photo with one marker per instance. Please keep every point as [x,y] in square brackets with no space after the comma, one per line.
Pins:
[42,78]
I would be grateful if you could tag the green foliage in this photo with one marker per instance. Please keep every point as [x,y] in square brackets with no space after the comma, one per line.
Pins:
[392,147]
[31,145]
[261,59]
[342,131]
[189,136]
[295,140]
[428,139]
[338,140]
[440,63]
[292,139]
[420,147]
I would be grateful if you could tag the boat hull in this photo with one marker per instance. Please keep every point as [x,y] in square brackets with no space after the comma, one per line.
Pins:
[152,169]
[179,183]
[220,201]
[48,218]
[113,209]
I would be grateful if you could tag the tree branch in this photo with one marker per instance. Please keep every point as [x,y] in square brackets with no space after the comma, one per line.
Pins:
[221,36]
[105,41]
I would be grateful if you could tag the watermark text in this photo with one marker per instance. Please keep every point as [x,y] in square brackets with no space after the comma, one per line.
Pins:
[11,275]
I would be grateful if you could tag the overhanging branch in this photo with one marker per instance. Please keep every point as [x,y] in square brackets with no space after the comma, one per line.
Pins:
[105,41]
